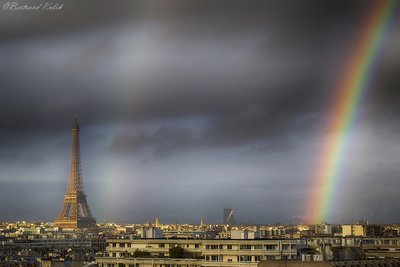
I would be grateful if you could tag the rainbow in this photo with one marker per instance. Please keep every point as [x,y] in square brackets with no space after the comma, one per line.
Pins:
[352,88]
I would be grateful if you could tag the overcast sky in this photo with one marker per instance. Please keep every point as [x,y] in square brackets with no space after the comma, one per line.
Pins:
[190,107]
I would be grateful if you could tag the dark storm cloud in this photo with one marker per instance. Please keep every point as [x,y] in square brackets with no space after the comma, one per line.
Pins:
[298,43]
[222,15]
[164,141]
[246,125]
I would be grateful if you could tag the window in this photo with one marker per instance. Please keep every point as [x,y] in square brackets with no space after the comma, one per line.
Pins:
[285,247]
[229,246]
[245,247]
[270,247]
[257,258]
[214,258]
[229,260]
[258,247]
[114,245]
[122,245]
[161,245]
[114,255]
[129,245]
[196,245]
[245,258]
[212,246]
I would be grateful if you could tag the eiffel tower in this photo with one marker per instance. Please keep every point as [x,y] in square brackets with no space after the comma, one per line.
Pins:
[75,212]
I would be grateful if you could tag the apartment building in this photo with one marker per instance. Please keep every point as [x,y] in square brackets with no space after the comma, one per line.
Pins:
[365,230]
[197,252]
[234,252]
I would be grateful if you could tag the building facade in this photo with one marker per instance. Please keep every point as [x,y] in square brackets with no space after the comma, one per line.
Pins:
[239,252]
[197,252]
[369,230]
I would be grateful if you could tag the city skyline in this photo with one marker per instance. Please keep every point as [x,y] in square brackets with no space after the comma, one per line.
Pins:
[190,107]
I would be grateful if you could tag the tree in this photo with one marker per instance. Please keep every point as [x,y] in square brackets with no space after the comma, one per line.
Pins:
[141,254]
[176,252]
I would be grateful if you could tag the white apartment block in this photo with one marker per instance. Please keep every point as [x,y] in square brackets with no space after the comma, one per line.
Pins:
[199,252]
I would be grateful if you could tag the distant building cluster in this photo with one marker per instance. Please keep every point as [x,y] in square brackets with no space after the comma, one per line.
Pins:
[167,245]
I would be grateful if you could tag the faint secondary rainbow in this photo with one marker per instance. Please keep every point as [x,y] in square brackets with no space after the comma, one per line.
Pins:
[352,87]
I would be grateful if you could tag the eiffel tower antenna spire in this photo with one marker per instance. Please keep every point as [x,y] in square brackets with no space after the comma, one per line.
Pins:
[75,212]
[75,118]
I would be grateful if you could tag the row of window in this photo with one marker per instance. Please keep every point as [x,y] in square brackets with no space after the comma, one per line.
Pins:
[255,247]
[121,245]
[242,258]
[162,245]
[229,247]
[138,265]
[245,258]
